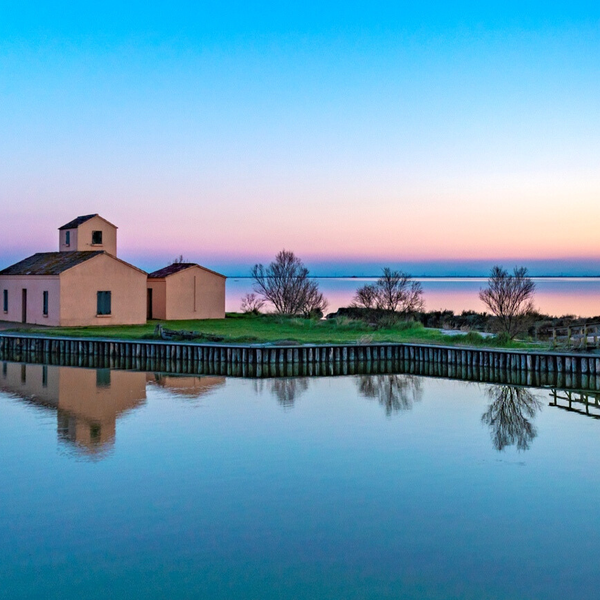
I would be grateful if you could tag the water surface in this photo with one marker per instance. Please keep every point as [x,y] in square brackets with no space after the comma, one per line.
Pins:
[127,484]
[554,295]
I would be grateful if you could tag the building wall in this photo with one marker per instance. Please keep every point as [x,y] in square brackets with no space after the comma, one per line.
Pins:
[35,286]
[88,401]
[81,238]
[38,383]
[100,394]
[195,294]
[62,240]
[159,298]
[79,287]
[189,386]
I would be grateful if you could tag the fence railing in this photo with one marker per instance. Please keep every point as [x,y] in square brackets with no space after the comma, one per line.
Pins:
[577,337]
[579,401]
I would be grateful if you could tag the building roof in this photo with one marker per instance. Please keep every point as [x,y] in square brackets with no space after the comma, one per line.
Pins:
[49,263]
[171,270]
[176,268]
[75,223]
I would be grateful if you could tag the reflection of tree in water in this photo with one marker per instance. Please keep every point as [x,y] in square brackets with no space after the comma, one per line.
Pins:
[393,392]
[508,416]
[285,389]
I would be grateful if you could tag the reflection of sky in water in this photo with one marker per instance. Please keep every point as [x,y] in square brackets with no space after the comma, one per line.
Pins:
[384,487]
[557,296]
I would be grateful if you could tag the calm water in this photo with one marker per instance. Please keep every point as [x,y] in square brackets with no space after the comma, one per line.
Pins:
[555,295]
[120,484]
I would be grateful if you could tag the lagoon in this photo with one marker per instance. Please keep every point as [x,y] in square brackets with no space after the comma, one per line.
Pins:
[131,484]
[555,295]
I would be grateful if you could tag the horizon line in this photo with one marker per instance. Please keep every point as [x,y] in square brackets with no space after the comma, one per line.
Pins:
[486,276]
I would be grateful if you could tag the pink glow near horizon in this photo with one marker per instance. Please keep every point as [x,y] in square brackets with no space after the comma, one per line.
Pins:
[391,225]
[161,239]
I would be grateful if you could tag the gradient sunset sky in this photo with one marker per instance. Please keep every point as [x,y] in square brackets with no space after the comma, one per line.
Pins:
[437,137]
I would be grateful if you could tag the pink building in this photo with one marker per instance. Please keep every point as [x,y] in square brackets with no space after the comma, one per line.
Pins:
[85,284]
[186,291]
[87,402]
[82,284]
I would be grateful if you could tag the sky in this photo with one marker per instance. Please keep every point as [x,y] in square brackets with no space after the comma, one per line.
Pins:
[438,137]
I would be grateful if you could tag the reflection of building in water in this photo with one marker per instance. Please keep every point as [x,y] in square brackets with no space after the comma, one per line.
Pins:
[393,392]
[186,385]
[508,416]
[578,401]
[88,401]
[285,389]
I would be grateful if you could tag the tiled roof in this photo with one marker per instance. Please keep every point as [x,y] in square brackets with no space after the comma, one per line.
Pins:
[75,223]
[177,267]
[49,263]
[171,270]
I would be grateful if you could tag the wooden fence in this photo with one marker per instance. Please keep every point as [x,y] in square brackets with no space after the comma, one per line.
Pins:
[583,402]
[576,337]
[307,354]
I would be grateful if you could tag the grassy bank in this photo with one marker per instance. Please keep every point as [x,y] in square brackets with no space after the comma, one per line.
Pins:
[238,328]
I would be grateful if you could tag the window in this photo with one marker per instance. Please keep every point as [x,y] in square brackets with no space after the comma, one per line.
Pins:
[5,300]
[96,238]
[104,302]
[103,378]
[67,238]
[44,376]
[45,303]
[95,433]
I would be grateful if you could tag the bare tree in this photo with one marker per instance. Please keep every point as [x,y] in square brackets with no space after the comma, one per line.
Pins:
[286,389]
[394,392]
[509,416]
[366,297]
[251,303]
[285,283]
[394,291]
[179,260]
[314,301]
[509,296]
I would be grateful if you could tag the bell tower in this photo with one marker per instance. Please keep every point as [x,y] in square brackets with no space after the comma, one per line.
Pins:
[88,233]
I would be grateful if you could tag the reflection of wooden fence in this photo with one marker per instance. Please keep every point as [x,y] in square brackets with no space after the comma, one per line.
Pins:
[565,399]
[580,337]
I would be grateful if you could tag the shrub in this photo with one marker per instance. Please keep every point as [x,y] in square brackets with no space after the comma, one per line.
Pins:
[252,304]
[394,291]
[473,338]
[406,325]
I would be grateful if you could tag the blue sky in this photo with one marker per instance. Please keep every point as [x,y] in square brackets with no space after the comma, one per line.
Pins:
[440,136]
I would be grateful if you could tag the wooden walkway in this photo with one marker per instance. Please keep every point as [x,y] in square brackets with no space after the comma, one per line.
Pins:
[582,402]
[577,337]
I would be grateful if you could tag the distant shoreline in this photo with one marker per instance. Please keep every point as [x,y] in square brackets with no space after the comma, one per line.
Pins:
[431,276]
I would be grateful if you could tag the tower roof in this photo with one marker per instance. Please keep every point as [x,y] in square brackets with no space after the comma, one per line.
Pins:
[75,223]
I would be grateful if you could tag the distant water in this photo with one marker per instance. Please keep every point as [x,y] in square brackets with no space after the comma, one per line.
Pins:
[555,295]
[122,484]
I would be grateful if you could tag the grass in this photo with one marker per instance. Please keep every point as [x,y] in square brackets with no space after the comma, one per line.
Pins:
[241,328]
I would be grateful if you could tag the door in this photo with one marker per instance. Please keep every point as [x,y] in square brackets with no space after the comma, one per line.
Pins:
[149,307]
[24,306]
